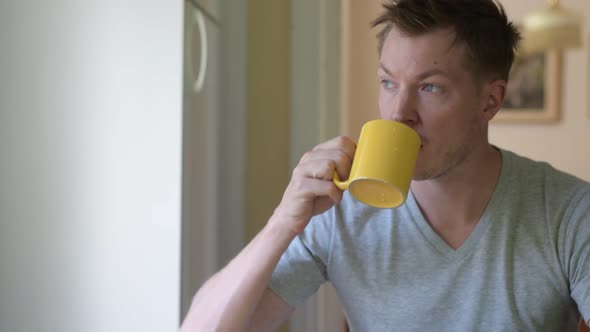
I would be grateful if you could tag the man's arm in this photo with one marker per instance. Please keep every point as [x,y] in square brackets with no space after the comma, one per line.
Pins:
[575,241]
[231,298]
[271,313]
[237,298]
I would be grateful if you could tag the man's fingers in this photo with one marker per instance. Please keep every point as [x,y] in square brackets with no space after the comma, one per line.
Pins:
[320,164]
[323,189]
[343,143]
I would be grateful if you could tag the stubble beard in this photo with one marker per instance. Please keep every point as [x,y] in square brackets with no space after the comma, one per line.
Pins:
[452,158]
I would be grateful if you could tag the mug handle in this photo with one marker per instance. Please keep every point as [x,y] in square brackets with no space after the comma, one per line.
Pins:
[342,185]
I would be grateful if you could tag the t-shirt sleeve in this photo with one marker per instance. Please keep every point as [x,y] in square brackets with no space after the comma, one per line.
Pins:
[303,267]
[577,253]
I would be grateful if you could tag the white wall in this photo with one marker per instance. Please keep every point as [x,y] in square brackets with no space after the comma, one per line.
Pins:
[90,129]
[564,144]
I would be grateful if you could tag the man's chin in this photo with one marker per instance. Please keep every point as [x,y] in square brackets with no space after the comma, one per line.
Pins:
[420,172]
[423,174]
[419,175]
[420,178]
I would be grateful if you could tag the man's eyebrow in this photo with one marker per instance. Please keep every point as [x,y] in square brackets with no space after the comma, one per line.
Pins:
[433,72]
[423,75]
[382,66]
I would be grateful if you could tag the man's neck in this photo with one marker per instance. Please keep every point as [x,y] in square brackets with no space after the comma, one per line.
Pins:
[453,204]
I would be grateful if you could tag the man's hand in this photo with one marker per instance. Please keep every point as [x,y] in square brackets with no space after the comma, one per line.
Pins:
[311,190]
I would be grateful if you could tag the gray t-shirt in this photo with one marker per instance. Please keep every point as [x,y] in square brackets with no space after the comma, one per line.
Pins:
[525,267]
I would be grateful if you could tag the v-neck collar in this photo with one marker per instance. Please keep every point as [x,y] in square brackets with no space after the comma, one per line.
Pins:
[437,243]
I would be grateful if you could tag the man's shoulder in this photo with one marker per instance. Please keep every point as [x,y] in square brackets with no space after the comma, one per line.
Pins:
[542,174]
[538,186]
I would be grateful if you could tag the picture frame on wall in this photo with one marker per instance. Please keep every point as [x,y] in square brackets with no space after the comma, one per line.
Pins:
[534,89]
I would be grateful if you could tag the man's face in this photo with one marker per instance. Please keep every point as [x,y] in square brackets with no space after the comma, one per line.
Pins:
[425,84]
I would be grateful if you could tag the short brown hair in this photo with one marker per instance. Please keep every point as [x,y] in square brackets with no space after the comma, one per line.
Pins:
[491,40]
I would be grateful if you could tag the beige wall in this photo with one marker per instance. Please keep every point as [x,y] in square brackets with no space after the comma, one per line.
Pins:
[563,144]
[359,65]
[267,146]
[268,106]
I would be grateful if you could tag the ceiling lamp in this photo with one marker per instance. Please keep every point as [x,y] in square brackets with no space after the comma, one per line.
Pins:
[552,28]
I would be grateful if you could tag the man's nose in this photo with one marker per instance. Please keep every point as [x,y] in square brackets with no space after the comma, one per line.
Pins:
[403,108]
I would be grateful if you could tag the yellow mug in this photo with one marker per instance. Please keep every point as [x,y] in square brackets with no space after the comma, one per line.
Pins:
[383,164]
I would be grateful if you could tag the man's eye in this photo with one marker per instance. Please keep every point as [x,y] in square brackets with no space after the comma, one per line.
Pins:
[432,88]
[387,84]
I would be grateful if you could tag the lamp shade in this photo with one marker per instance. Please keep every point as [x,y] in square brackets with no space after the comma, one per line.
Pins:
[552,28]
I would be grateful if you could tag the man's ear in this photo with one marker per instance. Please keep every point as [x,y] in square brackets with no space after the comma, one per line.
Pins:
[494,94]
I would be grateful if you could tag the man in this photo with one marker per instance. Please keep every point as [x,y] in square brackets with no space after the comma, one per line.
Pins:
[487,240]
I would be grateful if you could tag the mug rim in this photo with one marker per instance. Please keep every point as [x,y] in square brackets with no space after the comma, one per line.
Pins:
[391,185]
